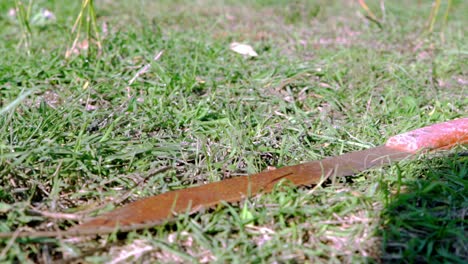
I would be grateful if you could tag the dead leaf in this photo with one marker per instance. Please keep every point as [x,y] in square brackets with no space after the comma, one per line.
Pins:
[243,49]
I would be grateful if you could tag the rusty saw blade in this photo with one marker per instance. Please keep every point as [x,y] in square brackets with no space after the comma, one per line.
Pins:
[156,209]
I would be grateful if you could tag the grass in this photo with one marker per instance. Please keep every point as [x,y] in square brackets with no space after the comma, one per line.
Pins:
[327,81]
[426,222]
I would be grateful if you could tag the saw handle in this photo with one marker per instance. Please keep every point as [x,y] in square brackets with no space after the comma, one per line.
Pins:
[437,136]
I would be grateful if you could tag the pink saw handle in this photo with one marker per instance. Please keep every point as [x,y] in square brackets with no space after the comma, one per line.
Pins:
[438,136]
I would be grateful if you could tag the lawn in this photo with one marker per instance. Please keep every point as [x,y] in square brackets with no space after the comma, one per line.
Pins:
[79,133]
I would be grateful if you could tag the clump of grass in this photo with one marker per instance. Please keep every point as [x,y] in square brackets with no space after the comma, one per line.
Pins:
[24,14]
[86,18]
[431,21]
[435,11]
[420,222]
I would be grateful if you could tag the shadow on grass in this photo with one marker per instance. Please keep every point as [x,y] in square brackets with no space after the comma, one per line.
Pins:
[426,222]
